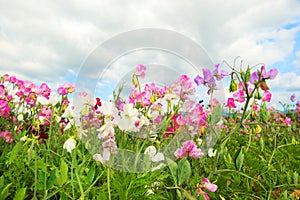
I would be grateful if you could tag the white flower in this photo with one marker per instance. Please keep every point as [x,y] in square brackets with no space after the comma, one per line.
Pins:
[143,121]
[69,124]
[69,144]
[107,130]
[69,112]
[53,99]
[151,152]
[211,152]
[20,117]
[128,118]
[42,100]
[108,109]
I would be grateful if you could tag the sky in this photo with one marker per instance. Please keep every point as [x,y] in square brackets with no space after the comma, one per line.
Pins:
[49,41]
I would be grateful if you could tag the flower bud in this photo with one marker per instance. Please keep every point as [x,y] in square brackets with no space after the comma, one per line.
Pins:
[233,86]
[257,95]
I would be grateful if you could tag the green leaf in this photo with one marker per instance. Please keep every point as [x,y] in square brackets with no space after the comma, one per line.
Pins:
[20,194]
[216,114]
[289,177]
[51,179]
[1,182]
[173,170]
[262,144]
[295,177]
[264,114]
[183,171]
[239,160]
[62,175]
[91,174]
[5,192]
[42,179]
[15,152]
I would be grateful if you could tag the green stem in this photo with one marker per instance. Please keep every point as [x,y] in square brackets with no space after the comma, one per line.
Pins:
[72,175]
[274,149]
[108,183]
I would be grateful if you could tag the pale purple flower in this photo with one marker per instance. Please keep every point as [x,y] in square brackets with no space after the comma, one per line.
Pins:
[268,75]
[293,98]
[207,80]
[219,74]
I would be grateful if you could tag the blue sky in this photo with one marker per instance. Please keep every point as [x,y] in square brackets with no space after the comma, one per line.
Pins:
[48,41]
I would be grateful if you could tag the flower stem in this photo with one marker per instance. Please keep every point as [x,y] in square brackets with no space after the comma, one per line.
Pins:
[108,183]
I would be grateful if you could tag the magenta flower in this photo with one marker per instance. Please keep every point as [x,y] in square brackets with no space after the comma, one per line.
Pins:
[293,98]
[267,96]
[230,103]
[66,88]
[44,90]
[4,108]
[140,70]
[239,96]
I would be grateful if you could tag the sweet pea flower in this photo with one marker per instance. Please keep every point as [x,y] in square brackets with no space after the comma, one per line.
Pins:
[293,98]
[7,136]
[140,70]
[288,121]
[267,96]
[270,74]
[69,144]
[153,154]
[219,74]
[66,88]
[209,186]
[230,103]
[188,149]
[207,80]
[4,108]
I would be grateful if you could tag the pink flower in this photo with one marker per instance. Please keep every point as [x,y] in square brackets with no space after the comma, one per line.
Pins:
[209,186]
[230,103]
[288,121]
[239,96]
[188,149]
[267,96]
[7,136]
[140,70]
[45,90]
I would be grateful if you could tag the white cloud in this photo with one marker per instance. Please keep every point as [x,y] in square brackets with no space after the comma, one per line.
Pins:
[286,81]
[51,40]
[296,62]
